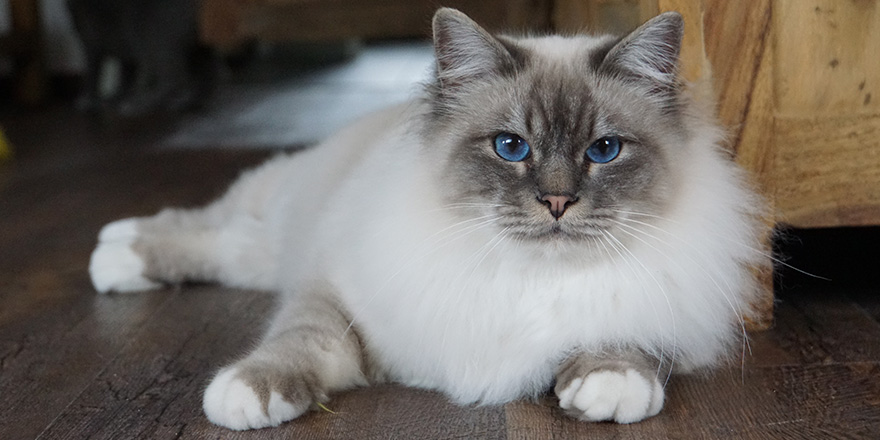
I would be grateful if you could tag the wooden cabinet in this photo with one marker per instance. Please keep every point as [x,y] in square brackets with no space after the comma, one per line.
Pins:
[797,84]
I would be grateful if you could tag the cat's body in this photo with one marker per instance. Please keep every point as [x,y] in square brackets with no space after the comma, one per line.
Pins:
[411,251]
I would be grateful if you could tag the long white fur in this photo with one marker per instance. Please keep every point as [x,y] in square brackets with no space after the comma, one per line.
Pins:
[363,210]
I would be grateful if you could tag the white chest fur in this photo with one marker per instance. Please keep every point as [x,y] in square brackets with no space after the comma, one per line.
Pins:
[454,305]
[447,302]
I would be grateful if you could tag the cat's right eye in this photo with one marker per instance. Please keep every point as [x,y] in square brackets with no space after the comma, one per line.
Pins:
[604,150]
[511,147]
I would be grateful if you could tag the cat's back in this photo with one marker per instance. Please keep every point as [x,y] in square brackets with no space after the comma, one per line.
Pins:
[312,193]
[312,177]
[383,131]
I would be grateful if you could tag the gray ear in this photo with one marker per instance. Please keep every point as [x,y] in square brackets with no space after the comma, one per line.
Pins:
[650,53]
[465,51]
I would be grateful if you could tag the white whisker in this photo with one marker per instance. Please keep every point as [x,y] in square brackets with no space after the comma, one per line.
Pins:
[481,253]
[648,296]
[725,294]
[722,237]
[665,297]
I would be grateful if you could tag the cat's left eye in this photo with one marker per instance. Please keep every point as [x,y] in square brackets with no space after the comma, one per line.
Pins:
[512,147]
[604,150]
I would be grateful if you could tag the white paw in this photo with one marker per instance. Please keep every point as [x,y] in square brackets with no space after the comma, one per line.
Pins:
[114,266]
[232,403]
[120,230]
[624,397]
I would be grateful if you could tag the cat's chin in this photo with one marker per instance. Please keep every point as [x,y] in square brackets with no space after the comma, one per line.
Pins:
[563,247]
[557,233]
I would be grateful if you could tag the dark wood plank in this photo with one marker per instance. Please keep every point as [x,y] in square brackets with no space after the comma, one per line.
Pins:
[390,411]
[152,389]
[817,325]
[55,347]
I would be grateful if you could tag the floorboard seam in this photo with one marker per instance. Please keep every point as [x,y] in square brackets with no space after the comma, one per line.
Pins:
[109,362]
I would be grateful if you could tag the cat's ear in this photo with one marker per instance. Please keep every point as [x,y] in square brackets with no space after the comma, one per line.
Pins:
[465,52]
[650,53]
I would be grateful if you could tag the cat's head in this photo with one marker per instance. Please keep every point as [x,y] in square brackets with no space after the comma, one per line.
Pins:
[557,137]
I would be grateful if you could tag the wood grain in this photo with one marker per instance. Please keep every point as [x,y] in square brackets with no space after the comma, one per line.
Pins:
[826,170]
[795,83]
[736,40]
[693,56]
[827,59]
[152,387]
[616,17]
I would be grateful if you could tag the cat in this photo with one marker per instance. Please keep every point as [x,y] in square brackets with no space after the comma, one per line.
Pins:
[161,64]
[549,212]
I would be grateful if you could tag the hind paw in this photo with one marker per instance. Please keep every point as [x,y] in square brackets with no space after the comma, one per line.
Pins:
[115,265]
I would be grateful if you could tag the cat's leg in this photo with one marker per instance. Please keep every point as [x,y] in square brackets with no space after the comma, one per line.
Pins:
[308,353]
[176,245]
[622,386]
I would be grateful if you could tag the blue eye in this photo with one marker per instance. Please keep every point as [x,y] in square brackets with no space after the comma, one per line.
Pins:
[604,150]
[511,147]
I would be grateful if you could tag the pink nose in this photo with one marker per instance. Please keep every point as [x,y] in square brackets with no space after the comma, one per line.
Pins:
[557,204]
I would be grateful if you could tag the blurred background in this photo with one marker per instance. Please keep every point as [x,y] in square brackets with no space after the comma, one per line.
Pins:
[235,69]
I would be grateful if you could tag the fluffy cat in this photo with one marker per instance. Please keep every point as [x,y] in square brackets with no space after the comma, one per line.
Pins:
[550,210]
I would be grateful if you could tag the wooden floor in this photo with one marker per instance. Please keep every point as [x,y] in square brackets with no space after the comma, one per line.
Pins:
[75,364]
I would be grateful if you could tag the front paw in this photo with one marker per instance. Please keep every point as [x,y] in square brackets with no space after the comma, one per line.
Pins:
[242,398]
[625,396]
